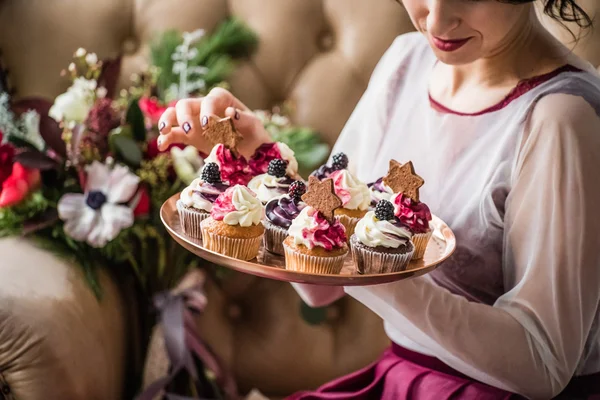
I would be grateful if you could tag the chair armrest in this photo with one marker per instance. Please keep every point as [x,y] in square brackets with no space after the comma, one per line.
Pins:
[57,340]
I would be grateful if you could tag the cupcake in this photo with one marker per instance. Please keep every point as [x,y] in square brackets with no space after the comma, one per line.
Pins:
[379,191]
[316,241]
[355,197]
[416,216]
[196,201]
[234,227]
[262,157]
[338,162]
[279,214]
[275,183]
[381,243]
[403,180]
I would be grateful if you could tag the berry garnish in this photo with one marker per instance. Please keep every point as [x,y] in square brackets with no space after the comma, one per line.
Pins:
[296,190]
[211,173]
[340,161]
[384,210]
[277,168]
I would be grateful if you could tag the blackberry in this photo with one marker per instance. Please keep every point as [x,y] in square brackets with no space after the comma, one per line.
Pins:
[296,190]
[211,173]
[277,168]
[340,161]
[384,210]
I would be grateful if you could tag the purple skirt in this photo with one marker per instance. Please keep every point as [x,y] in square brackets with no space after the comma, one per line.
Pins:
[401,374]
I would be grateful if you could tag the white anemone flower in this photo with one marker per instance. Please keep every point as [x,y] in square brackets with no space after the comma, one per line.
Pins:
[100,214]
[187,163]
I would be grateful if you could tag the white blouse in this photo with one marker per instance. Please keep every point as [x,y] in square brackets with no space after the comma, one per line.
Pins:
[517,305]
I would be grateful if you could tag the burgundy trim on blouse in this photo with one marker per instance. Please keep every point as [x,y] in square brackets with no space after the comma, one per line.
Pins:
[522,87]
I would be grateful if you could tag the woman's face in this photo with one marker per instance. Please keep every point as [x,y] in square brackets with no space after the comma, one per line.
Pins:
[463,31]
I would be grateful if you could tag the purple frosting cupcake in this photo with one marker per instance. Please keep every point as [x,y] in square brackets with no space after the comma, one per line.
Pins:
[196,201]
[280,212]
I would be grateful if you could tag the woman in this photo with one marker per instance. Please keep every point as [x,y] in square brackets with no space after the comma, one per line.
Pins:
[502,122]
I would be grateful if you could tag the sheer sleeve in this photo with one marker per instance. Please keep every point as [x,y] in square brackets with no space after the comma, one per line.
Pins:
[531,340]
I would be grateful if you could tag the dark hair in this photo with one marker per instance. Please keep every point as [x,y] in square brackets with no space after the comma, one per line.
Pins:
[561,11]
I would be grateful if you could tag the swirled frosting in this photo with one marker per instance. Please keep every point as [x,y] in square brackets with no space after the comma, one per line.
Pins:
[373,232]
[234,169]
[268,187]
[354,194]
[323,172]
[283,210]
[238,205]
[259,162]
[379,191]
[312,230]
[415,215]
[201,195]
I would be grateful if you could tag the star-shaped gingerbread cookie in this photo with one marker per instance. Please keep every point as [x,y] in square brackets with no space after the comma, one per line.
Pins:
[401,178]
[321,196]
[222,131]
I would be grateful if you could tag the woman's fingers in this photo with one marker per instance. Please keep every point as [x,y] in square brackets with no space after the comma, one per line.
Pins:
[216,103]
[188,115]
[167,121]
[244,121]
[185,122]
[175,136]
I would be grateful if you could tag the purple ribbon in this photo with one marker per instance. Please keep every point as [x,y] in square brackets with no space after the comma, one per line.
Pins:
[182,342]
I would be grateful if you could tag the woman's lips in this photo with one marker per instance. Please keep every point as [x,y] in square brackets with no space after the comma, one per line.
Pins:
[449,45]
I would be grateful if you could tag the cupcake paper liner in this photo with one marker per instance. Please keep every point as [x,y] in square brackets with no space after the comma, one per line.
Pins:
[296,261]
[349,223]
[370,261]
[274,237]
[420,241]
[190,220]
[243,249]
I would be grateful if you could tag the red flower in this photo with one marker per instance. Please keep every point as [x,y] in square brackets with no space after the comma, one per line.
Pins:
[152,149]
[18,185]
[142,208]
[7,153]
[152,109]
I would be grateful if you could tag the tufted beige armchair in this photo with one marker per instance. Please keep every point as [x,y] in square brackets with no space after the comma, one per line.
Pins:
[56,341]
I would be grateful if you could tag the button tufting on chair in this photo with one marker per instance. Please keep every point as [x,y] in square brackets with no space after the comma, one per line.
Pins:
[333,314]
[130,46]
[234,312]
[326,41]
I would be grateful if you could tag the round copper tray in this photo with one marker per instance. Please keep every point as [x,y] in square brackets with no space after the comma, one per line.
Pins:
[272,266]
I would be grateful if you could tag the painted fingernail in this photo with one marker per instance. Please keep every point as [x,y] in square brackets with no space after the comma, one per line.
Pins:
[236,115]
[159,142]
[187,127]
[204,120]
[161,126]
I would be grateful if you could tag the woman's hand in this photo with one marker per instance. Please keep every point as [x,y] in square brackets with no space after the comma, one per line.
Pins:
[185,122]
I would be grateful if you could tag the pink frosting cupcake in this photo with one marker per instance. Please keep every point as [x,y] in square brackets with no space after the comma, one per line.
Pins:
[234,227]
[315,245]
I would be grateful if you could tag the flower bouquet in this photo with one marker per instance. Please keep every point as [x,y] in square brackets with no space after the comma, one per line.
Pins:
[83,175]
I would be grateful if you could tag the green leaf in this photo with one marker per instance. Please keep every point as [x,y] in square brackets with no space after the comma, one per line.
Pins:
[128,150]
[135,118]
[313,315]
[313,158]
